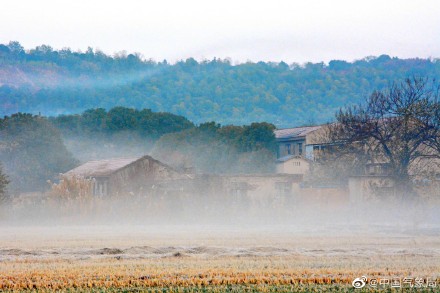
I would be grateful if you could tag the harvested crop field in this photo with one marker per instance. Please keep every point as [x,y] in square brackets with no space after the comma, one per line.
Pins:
[211,259]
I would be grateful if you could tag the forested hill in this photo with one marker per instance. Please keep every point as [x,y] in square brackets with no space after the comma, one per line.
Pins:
[59,82]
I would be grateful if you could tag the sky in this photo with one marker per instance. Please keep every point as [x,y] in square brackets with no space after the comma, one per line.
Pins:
[242,30]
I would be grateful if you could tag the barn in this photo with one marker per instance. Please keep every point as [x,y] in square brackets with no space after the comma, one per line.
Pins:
[127,175]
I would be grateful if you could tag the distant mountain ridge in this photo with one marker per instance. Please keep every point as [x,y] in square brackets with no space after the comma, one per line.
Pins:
[51,82]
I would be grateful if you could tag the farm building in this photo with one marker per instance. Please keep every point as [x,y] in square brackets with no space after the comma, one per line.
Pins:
[298,147]
[293,165]
[304,142]
[246,189]
[375,182]
[145,175]
[126,175]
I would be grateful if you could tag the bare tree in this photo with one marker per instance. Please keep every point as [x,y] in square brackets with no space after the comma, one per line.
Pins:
[432,121]
[398,126]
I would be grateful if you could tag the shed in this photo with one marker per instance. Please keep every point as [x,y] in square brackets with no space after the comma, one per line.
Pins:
[293,165]
[125,175]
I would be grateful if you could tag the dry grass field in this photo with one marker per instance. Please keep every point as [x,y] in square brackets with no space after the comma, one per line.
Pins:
[210,259]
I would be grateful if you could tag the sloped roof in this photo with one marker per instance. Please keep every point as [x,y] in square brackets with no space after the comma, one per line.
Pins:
[295,132]
[101,167]
[285,159]
[289,157]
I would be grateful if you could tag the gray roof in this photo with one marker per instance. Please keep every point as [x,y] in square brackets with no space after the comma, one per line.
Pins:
[101,168]
[285,159]
[289,157]
[295,132]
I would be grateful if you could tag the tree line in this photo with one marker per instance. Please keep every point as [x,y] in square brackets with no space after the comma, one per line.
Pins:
[212,148]
[145,122]
[397,127]
[64,81]
[33,147]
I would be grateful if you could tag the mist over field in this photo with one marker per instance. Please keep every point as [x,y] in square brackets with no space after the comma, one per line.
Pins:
[220,146]
[122,173]
[296,243]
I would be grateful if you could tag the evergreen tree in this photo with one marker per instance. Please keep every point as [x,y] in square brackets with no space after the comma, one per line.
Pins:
[32,152]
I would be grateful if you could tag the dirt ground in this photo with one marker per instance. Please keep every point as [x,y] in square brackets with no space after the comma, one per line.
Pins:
[60,257]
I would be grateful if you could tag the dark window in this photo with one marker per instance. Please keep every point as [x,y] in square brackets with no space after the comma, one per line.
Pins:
[288,150]
[300,149]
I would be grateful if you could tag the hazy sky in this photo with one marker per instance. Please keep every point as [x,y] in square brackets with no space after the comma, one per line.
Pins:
[293,31]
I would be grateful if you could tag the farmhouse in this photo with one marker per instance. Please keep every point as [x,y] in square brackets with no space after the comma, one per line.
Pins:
[298,147]
[293,165]
[147,176]
[299,141]
[126,175]
[259,186]
[293,141]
